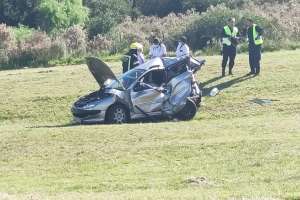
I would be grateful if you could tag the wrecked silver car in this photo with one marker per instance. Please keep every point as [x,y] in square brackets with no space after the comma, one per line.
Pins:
[158,88]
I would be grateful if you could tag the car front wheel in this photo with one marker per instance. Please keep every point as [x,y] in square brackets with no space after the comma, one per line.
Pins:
[117,114]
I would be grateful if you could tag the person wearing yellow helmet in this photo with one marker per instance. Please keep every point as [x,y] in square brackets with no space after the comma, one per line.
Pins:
[133,57]
[140,55]
[134,45]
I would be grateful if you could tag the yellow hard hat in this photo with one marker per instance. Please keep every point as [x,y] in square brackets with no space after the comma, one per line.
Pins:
[136,45]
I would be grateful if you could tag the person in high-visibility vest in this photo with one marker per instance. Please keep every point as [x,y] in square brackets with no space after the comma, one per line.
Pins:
[255,40]
[229,41]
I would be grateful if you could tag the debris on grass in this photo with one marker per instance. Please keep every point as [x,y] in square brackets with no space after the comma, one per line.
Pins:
[263,102]
[45,71]
[198,181]
[214,92]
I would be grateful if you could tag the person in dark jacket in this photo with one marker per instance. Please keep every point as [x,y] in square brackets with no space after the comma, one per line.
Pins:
[130,59]
[255,39]
[229,41]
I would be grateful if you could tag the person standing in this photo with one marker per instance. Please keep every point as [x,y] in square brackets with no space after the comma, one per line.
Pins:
[157,49]
[140,54]
[131,58]
[229,41]
[183,49]
[255,40]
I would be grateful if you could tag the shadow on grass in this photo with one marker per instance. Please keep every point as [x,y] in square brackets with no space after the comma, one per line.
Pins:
[56,126]
[223,86]
[139,121]
[211,81]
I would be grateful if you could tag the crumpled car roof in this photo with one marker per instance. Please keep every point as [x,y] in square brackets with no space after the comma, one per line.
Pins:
[155,62]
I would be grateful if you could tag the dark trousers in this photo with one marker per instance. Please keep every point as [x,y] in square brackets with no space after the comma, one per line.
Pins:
[254,58]
[229,53]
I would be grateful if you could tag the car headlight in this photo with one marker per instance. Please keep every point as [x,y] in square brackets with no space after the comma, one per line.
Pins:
[89,106]
[108,82]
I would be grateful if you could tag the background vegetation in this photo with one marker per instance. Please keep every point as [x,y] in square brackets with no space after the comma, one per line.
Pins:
[43,32]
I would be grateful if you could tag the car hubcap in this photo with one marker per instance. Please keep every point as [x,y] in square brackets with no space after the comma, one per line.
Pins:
[119,115]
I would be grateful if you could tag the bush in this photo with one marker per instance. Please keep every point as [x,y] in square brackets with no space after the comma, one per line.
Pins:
[7,40]
[168,28]
[100,25]
[38,49]
[99,44]
[285,14]
[106,14]
[48,15]
[3,58]
[22,32]
[55,15]
[7,43]
[209,26]
[33,51]
[75,40]
[164,7]
[58,50]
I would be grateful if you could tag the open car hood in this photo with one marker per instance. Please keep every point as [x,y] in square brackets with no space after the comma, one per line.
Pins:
[100,70]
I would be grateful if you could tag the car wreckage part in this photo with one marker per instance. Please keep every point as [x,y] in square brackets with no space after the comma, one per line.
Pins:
[188,112]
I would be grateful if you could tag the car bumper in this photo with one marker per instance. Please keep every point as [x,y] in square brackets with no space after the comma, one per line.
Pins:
[88,116]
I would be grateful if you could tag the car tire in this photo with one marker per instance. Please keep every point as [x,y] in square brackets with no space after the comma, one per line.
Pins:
[188,112]
[117,114]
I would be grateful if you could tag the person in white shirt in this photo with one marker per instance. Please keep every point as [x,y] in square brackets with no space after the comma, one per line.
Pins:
[183,49]
[158,49]
[140,55]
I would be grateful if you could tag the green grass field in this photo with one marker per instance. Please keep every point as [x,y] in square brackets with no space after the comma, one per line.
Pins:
[233,149]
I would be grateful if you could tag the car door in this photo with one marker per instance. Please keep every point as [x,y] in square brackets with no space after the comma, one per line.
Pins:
[180,85]
[146,98]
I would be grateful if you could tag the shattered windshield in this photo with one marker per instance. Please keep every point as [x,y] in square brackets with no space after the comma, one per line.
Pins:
[129,77]
[125,81]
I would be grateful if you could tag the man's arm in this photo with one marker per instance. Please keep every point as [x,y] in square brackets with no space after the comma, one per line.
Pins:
[186,50]
[151,52]
[164,50]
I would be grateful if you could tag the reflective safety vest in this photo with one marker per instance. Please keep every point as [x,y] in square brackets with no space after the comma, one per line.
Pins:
[228,32]
[258,39]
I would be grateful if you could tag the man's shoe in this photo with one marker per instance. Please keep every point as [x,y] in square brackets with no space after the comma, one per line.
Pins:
[230,73]
[250,73]
[223,72]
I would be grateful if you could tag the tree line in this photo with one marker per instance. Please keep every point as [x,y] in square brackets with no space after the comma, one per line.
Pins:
[42,32]
[98,16]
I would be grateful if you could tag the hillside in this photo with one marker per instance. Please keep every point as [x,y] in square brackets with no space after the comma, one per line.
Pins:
[233,149]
